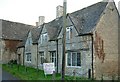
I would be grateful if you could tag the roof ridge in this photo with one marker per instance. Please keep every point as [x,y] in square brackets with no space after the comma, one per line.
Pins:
[87,7]
[16,22]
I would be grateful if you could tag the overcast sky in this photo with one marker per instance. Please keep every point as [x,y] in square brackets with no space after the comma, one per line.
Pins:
[28,11]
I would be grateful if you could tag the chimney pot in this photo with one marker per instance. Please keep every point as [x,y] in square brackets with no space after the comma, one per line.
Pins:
[41,20]
[36,23]
[59,11]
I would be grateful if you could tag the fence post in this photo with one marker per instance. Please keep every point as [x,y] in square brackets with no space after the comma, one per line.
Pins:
[74,74]
[89,73]
[53,76]
[102,78]
[113,77]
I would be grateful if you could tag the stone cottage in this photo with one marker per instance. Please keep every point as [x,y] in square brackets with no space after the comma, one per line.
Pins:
[27,50]
[11,34]
[91,42]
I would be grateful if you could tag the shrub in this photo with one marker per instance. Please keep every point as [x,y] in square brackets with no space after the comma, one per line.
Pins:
[12,62]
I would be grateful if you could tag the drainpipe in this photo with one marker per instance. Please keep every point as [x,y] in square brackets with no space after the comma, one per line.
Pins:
[92,58]
[57,53]
[23,55]
[37,57]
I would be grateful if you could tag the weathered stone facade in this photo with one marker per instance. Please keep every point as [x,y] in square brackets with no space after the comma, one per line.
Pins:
[91,43]
[9,50]
[107,30]
[20,55]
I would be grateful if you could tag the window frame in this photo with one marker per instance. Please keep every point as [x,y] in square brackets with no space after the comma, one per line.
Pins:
[53,56]
[41,54]
[68,32]
[71,56]
[43,38]
[28,57]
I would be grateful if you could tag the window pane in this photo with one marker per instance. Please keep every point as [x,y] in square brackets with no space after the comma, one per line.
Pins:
[69,59]
[41,60]
[78,59]
[55,61]
[53,57]
[41,38]
[74,59]
[30,57]
[45,37]
[67,35]
[41,57]
[27,57]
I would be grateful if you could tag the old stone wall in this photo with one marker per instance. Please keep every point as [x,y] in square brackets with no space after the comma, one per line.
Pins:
[20,51]
[106,44]
[9,50]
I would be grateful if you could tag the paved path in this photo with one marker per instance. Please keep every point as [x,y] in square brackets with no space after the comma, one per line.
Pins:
[8,76]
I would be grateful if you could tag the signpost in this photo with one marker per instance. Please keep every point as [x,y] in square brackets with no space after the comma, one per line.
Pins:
[49,68]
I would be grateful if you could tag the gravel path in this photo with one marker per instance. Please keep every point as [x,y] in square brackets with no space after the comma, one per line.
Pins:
[8,76]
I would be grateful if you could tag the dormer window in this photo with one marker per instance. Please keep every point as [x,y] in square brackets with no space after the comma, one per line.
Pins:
[68,32]
[43,38]
[29,39]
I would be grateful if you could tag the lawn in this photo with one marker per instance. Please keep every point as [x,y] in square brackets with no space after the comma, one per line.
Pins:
[33,74]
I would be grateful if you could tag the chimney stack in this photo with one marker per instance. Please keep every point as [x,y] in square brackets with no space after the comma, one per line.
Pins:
[36,23]
[59,11]
[41,20]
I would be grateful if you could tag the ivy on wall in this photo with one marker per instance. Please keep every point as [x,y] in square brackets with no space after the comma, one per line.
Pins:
[99,47]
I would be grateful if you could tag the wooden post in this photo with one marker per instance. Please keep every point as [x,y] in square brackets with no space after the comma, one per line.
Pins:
[25,69]
[74,74]
[64,38]
[53,76]
[18,61]
[89,73]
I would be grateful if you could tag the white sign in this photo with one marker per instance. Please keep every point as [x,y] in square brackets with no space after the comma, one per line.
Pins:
[48,68]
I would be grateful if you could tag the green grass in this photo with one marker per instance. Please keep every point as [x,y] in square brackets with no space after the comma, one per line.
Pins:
[33,74]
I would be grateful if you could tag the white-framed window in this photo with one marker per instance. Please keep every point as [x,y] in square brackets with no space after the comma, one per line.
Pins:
[53,57]
[73,59]
[28,57]
[42,58]
[43,38]
[68,32]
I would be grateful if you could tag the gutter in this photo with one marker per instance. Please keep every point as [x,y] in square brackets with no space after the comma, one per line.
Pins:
[57,54]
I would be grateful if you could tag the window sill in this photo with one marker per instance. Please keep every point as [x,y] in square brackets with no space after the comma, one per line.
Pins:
[73,66]
[28,61]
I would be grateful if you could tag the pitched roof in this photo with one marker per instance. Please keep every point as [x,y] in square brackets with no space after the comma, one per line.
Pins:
[54,27]
[36,33]
[86,19]
[14,30]
[22,43]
